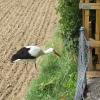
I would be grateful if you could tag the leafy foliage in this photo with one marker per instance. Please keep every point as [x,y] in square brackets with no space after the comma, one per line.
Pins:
[70,22]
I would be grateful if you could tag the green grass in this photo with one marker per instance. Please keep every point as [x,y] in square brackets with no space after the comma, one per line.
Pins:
[57,76]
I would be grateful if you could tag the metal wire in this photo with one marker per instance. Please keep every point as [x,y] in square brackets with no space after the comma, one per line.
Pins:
[83,59]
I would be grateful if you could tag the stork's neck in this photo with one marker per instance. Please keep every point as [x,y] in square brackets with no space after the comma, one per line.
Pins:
[50,50]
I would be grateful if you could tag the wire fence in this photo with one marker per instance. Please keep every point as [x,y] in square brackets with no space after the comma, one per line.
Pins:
[83,59]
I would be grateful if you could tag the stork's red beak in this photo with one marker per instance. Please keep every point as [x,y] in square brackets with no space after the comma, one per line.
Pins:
[57,53]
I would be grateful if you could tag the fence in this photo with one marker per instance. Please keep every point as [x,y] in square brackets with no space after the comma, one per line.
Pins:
[83,60]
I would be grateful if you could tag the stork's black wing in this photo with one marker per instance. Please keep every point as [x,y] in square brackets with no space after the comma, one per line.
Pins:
[22,54]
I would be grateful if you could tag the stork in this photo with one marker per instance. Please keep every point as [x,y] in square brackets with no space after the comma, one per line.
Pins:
[31,52]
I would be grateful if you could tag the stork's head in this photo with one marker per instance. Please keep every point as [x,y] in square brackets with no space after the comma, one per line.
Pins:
[51,50]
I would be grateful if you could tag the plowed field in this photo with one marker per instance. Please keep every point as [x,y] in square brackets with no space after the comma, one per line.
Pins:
[22,22]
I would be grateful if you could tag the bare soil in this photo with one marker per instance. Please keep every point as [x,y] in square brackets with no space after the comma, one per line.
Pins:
[22,22]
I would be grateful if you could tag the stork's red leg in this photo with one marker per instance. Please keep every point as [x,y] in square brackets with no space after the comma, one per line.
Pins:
[26,66]
[35,66]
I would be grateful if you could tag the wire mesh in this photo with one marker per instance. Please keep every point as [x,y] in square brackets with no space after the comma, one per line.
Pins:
[82,65]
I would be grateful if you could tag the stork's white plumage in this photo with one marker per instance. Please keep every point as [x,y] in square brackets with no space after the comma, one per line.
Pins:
[31,52]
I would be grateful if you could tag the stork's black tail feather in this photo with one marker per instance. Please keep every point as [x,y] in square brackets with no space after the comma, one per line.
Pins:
[22,54]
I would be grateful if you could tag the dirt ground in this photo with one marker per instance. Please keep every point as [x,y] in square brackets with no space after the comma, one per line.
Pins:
[22,22]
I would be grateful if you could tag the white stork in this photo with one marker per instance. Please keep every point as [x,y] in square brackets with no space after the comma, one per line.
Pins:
[31,52]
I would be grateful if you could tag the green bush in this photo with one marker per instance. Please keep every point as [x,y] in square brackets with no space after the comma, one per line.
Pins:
[70,21]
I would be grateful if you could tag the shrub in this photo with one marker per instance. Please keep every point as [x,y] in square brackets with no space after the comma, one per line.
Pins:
[70,21]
